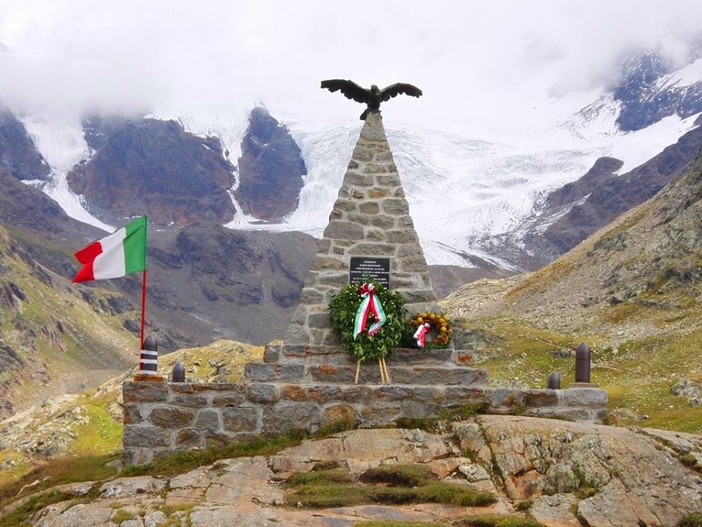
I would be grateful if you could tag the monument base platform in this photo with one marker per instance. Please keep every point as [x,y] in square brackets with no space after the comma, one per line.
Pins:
[305,388]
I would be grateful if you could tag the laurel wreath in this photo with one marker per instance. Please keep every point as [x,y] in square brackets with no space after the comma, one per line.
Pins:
[343,307]
[439,328]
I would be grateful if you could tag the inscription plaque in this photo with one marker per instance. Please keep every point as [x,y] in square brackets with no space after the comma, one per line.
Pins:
[375,268]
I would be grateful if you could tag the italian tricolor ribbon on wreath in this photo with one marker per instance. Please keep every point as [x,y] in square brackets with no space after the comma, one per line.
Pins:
[370,304]
[421,334]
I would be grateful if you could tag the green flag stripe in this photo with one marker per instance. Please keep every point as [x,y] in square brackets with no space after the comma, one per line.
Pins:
[135,246]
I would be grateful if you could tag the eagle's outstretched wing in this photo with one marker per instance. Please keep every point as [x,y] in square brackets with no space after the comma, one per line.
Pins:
[399,87]
[349,88]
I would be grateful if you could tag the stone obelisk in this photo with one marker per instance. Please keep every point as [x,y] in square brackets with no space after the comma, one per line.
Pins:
[370,219]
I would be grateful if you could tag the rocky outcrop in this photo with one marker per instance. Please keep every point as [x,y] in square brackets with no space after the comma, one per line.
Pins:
[597,471]
[271,169]
[156,167]
[573,475]
[18,155]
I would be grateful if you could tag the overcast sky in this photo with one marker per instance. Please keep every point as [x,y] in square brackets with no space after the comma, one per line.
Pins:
[177,56]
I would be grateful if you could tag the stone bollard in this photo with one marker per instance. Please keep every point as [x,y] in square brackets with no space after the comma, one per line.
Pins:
[554,381]
[148,361]
[582,363]
[178,373]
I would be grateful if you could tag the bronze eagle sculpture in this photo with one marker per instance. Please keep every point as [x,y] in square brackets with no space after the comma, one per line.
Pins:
[373,97]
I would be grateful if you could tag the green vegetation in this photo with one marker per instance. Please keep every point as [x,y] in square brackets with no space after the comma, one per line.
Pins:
[60,471]
[390,484]
[692,520]
[496,520]
[481,520]
[19,516]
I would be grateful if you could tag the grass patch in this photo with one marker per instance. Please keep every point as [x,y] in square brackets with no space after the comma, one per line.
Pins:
[398,484]
[398,523]
[691,520]
[398,475]
[60,471]
[19,516]
[319,477]
[496,520]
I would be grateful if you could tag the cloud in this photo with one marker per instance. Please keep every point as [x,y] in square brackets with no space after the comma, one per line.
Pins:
[178,56]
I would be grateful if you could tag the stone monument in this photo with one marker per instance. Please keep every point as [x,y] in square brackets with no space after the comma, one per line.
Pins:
[370,222]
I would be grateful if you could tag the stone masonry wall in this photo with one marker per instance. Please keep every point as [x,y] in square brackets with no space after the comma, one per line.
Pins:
[161,417]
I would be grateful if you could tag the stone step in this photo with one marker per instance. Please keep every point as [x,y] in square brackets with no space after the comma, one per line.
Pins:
[416,375]
[318,355]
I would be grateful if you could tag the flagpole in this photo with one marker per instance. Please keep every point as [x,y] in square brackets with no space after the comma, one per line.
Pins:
[143,307]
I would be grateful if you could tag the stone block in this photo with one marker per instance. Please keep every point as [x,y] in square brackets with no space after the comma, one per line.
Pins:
[369,207]
[293,392]
[339,413]
[218,439]
[540,398]
[324,393]
[284,417]
[319,320]
[145,391]
[357,179]
[392,393]
[334,279]
[137,456]
[261,372]
[505,400]
[311,296]
[419,409]
[405,236]
[207,420]
[192,401]
[271,354]
[145,436]
[433,376]
[404,356]
[262,393]
[585,397]
[434,394]
[378,193]
[189,438]
[462,395]
[242,419]
[375,235]
[361,154]
[356,393]
[379,414]
[344,229]
[325,263]
[170,417]
[395,207]
[232,397]
[383,221]
[131,414]
[373,249]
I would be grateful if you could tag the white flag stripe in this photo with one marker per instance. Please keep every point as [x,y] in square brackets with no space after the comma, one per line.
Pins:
[110,263]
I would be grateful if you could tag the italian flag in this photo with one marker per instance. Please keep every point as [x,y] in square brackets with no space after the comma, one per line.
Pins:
[116,255]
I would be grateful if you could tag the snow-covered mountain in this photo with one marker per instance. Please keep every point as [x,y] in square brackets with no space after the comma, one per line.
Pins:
[469,188]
